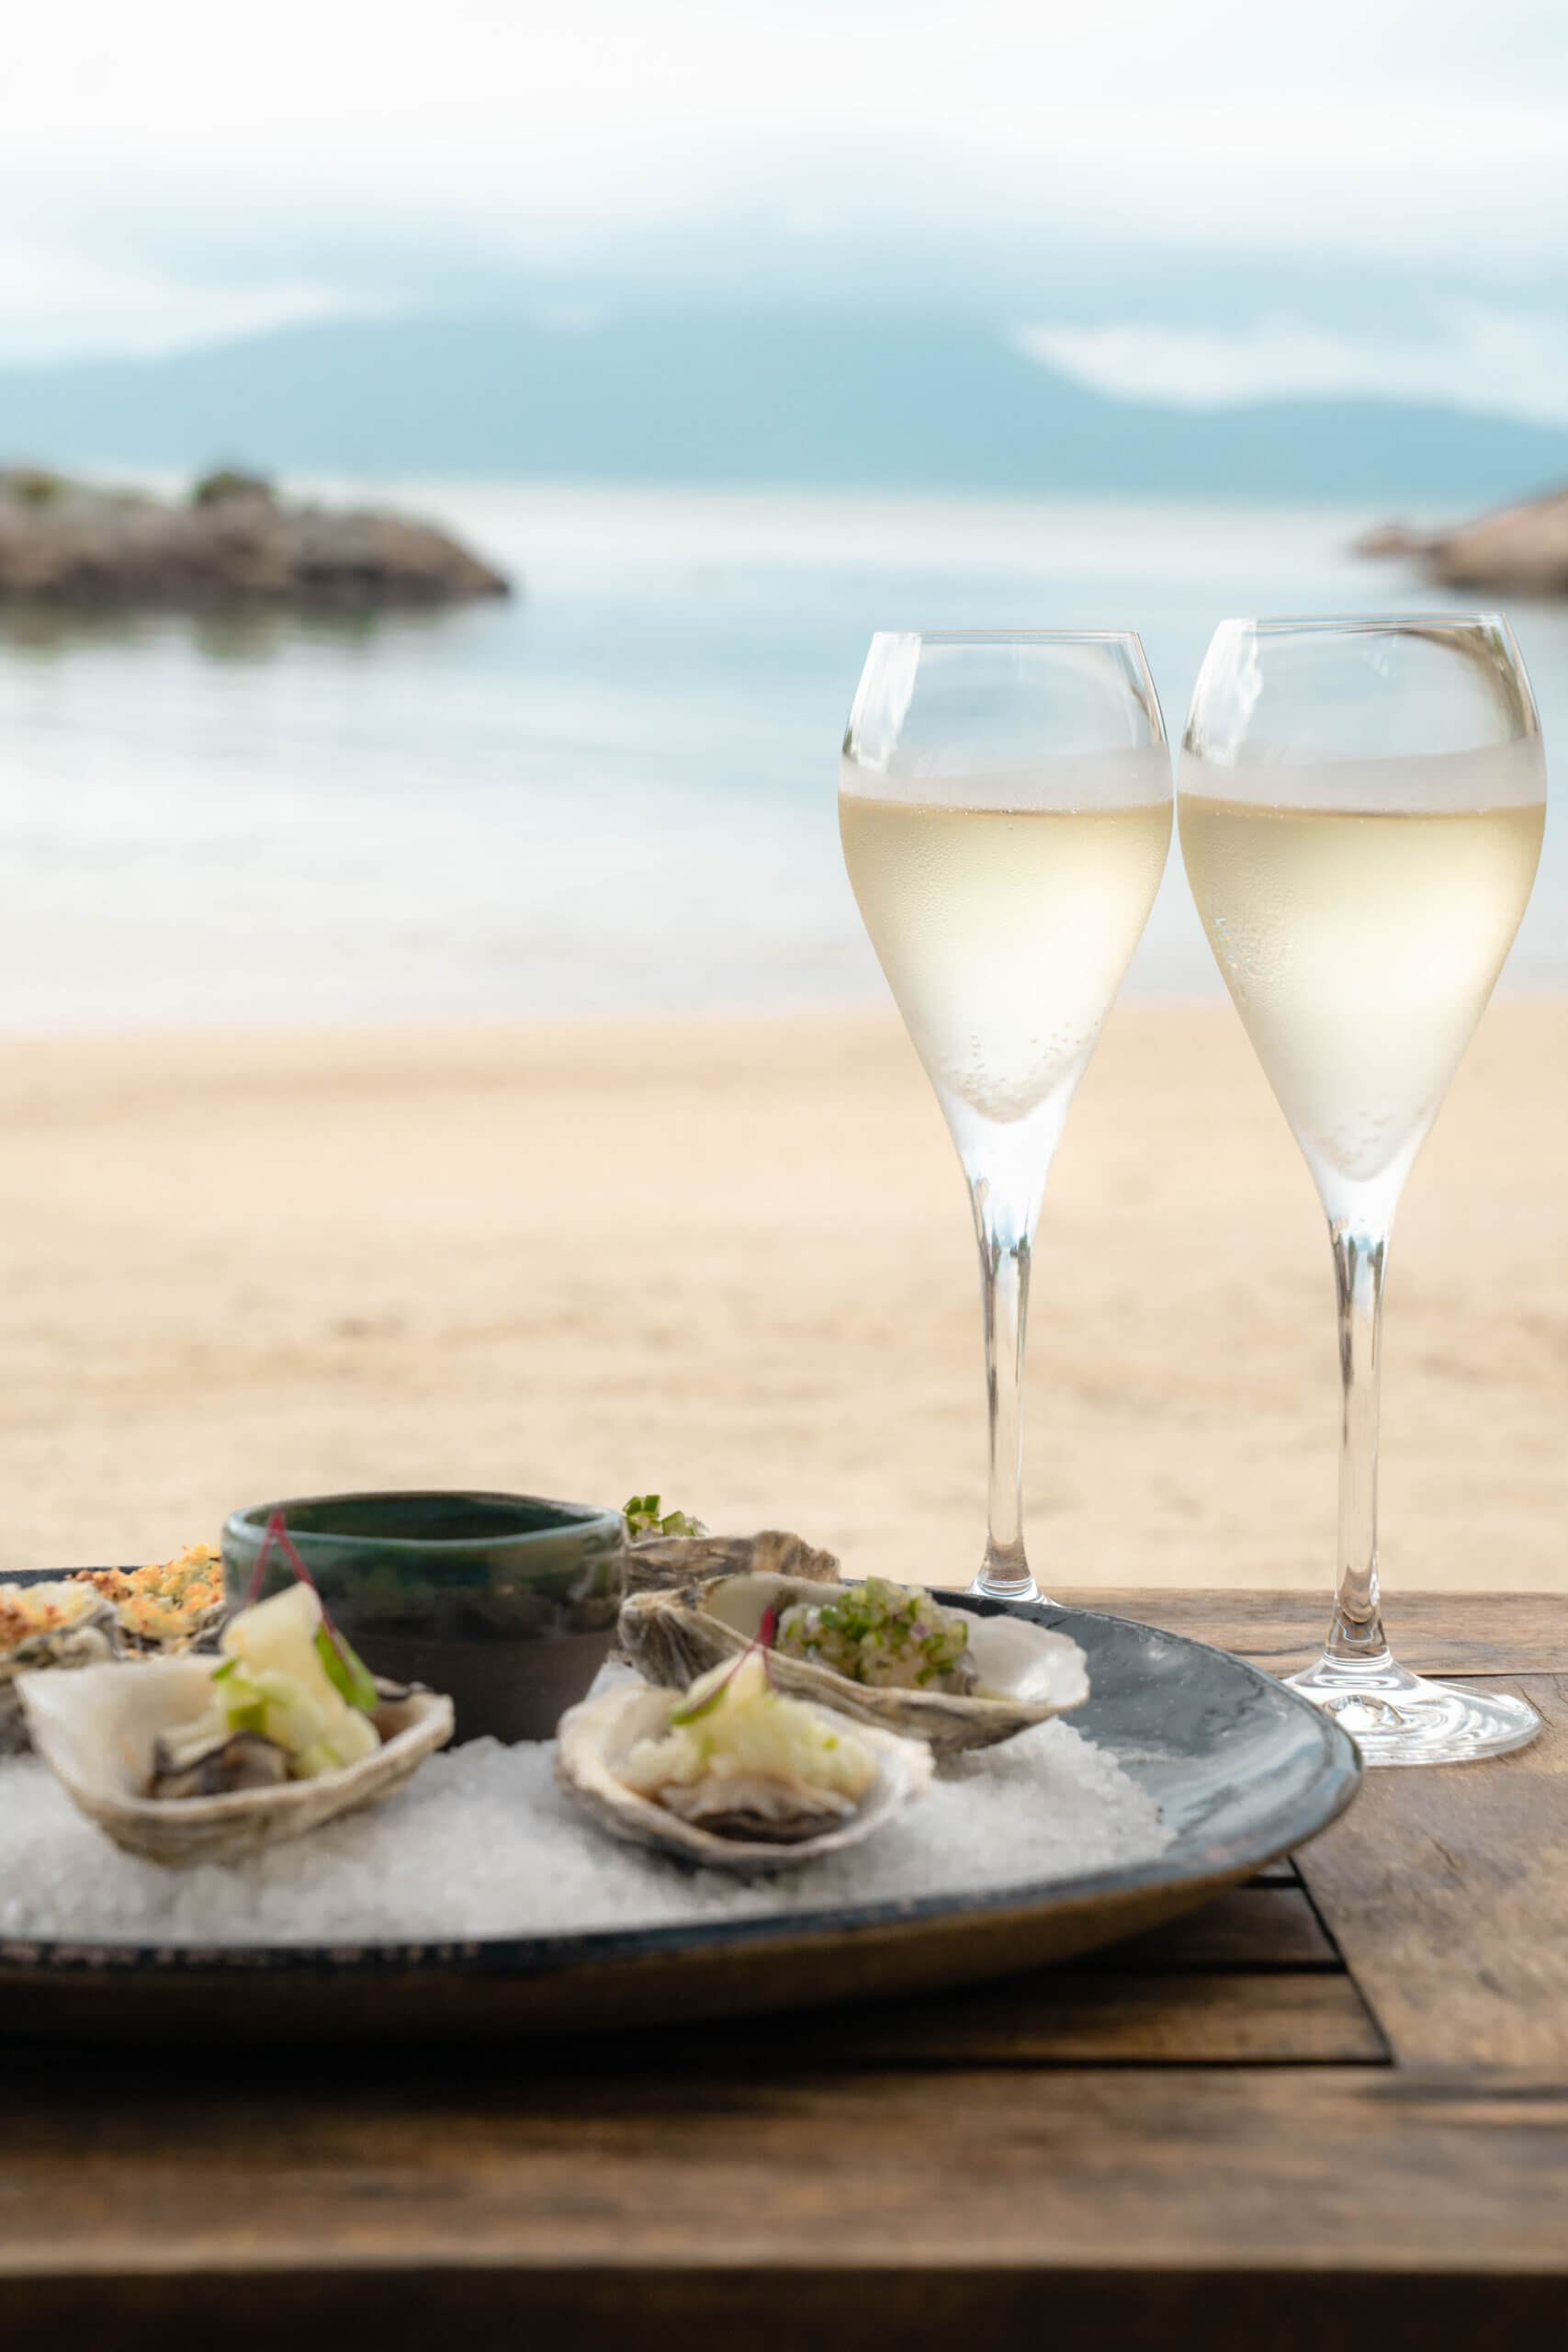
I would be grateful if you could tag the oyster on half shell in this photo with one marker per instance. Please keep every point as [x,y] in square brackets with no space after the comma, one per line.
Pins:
[98,1730]
[1026,1674]
[62,1623]
[751,1826]
[656,1562]
[166,1606]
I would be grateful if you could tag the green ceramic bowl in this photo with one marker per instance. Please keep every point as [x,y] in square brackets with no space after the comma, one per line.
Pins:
[507,1602]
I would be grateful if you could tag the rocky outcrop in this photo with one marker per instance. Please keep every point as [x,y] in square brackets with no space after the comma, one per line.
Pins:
[234,541]
[1517,550]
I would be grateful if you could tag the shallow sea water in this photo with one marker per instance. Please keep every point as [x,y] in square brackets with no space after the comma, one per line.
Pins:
[482,1843]
[615,794]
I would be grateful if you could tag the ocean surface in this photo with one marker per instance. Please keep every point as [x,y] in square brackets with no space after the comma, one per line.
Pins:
[614,793]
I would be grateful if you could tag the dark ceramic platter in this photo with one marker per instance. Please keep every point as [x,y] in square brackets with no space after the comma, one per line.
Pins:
[1243,1770]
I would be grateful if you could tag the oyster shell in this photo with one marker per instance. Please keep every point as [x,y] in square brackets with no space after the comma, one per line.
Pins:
[1026,1673]
[759,1832]
[85,1634]
[656,1562]
[98,1731]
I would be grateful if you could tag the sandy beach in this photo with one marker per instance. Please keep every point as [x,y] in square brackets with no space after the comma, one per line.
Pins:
[731,1259]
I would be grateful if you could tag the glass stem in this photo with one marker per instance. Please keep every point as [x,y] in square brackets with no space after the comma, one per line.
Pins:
[1004,1292]
[1358,1638]
[1395,1716]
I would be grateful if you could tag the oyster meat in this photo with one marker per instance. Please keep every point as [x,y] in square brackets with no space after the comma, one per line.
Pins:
[1017,1673]
[756,1808]
[806,1782]
[67,1623]
[203,1767]
[99,1731]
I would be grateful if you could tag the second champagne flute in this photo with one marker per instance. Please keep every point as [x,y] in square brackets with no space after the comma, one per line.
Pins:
[1005,808]
[1362,800]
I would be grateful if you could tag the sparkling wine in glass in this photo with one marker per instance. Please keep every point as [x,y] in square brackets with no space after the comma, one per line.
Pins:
[1004,803]
[1362,804]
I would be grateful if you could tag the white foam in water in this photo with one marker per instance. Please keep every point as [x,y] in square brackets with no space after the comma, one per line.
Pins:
[482,1843]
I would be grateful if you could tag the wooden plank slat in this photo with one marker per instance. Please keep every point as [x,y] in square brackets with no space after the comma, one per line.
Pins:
[1269,1926]
[1059,2017]
[112,2173]
[1432,1633]
[779,2307]
[1251,1980]
[1281,1873]
[1447,1891]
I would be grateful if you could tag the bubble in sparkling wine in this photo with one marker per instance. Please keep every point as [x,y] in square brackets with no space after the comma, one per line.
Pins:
[1361,943]
[1004,933]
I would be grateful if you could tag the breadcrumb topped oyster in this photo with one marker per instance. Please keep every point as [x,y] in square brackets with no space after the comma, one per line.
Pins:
[87,1616]
[32,1614]
[65,1624]
[168,1604]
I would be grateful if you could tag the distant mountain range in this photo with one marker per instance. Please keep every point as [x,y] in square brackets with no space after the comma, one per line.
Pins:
[715,398]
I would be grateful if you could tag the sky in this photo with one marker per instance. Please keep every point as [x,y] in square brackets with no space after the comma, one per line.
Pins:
[1205,202]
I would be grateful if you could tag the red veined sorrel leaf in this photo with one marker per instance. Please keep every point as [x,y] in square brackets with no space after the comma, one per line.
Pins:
[762,1640]
[352,1677]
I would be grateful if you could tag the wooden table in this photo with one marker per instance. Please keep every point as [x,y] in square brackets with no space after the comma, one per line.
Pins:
[1337,2099]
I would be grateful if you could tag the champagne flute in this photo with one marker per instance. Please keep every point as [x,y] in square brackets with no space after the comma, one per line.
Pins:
[1361,806]
[1004,805]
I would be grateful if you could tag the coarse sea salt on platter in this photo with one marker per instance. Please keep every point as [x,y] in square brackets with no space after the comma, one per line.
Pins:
[484,1844]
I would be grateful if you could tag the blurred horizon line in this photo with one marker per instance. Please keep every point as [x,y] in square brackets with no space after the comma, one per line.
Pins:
[828,399]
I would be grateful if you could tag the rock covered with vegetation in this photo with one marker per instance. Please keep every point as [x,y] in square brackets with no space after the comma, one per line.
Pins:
[232,541]
[1521,550]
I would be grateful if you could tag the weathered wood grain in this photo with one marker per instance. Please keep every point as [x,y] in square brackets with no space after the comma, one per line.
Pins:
[1101,2168]
[781,2306]
[1447,1890]
[1251,1980]
[1432,1633]
[1057,2018]
[1269,1925]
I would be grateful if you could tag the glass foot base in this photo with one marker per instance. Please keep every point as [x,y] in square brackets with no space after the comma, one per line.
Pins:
[1396,1717]
[994,1586]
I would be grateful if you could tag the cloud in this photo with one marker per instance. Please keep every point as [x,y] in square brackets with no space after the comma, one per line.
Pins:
[1497,361]
[362,150]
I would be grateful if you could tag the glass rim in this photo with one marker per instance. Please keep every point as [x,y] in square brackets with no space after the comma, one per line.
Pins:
[1357,624]
[1011,636]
